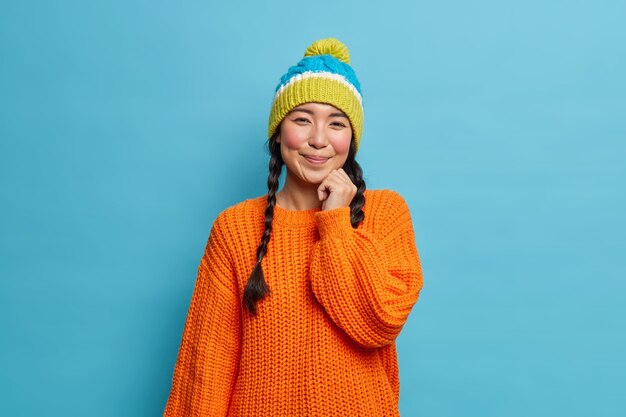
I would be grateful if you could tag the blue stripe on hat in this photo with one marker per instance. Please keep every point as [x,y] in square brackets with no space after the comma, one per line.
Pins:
[321,63]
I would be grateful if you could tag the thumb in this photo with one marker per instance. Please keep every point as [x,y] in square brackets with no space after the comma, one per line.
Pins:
[322,194]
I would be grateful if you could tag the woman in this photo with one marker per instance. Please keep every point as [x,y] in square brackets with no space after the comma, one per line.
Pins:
[301,293]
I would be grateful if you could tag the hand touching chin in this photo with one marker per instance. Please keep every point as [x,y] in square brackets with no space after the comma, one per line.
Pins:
[336,190]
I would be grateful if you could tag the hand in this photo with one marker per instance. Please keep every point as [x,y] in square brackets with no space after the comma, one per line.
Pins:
[336,190]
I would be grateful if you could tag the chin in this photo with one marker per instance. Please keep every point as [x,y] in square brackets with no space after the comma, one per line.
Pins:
[313,180]
[315,177]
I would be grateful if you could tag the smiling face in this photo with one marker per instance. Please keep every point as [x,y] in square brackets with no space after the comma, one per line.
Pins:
[314,140]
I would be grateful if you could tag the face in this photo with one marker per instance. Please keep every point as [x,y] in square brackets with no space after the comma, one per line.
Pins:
[314,140]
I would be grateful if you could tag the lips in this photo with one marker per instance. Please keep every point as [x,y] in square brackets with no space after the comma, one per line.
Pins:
[316,159]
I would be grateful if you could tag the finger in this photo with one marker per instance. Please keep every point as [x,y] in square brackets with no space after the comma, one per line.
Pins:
[323,190]
[346,179]
[333,182]
[339,175]
[321,194]
[334,176]
[345,175]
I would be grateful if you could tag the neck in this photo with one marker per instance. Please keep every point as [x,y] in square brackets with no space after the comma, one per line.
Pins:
[298,195]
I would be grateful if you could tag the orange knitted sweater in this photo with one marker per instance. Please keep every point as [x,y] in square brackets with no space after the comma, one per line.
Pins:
[323,341]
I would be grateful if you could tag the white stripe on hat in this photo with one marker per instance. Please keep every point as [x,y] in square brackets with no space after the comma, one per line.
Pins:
[319,74]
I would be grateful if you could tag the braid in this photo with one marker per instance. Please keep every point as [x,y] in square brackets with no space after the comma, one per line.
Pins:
[256,287]
[353,169]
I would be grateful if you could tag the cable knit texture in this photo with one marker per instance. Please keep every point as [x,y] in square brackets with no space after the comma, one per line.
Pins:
[323,342]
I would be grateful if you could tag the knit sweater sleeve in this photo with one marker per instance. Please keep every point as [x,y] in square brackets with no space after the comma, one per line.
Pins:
[208,357]
[367,284]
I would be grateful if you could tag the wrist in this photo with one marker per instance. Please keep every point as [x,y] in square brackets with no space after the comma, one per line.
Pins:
[334,222]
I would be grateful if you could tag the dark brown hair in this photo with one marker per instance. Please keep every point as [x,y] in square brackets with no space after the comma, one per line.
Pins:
[256,287]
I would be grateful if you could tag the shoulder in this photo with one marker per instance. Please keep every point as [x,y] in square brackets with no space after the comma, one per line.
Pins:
[384,201]
[385,211]
[240,214]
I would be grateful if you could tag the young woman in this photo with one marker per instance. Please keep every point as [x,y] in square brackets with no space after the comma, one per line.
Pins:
[301,293]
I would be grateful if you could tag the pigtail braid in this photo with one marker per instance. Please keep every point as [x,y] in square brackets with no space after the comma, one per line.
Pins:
[256,287]
[354,171]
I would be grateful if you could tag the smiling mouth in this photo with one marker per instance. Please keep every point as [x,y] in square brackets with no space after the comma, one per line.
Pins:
[315,160]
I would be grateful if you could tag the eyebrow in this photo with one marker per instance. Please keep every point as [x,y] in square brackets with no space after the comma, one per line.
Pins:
[340,114]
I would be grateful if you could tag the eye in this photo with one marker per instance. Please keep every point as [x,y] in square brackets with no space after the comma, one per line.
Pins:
[301,120]
[339,124]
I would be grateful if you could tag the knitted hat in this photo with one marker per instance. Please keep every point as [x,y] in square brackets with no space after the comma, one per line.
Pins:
[324,75]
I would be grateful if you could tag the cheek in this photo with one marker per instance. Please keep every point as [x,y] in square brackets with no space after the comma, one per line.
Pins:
[293,138]
[292,142]
[341,144]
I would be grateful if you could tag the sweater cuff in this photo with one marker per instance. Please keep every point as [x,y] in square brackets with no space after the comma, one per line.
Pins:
[334,222]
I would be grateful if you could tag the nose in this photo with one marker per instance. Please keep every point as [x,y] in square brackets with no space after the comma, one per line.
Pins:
[318,139]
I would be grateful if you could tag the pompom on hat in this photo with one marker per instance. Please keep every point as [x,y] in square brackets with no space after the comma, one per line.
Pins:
[324,75]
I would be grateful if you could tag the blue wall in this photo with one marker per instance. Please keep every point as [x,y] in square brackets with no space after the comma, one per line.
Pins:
[127,126]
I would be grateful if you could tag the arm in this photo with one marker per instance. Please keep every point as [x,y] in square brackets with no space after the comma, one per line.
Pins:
[208,357]
[367,284]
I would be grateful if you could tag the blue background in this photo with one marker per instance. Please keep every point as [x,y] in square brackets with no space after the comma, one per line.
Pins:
[127,126]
